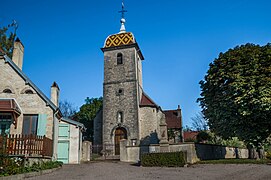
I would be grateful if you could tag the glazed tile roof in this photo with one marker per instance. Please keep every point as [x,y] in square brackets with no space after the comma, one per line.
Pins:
[172,119]
[119,39]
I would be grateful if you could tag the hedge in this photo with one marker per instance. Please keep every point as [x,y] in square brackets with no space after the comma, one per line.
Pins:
[168,159]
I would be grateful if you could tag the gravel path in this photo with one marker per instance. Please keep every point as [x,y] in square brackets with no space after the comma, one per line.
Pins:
[126,171]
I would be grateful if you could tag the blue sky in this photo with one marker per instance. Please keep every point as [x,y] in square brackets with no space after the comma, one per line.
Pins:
[178,39]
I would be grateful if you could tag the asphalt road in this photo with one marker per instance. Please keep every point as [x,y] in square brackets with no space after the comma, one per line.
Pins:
[126,171]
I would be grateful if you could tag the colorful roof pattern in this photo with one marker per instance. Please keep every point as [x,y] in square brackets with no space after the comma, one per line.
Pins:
[119,40]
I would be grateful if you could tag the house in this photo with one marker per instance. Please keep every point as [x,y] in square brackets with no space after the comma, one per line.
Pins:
[174,125]
[26,113]
[190,136]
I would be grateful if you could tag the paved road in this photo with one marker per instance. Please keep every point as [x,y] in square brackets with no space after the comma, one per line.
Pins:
[126,171]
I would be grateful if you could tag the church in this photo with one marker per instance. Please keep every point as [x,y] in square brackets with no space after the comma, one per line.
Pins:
[127,112]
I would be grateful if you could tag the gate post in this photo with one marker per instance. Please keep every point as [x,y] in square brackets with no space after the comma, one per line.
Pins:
[86,150]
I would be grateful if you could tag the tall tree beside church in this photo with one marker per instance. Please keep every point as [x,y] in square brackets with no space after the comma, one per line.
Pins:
[87,114]
[236,94]
[6,40]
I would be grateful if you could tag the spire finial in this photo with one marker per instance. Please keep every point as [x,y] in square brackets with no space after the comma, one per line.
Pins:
[122,20]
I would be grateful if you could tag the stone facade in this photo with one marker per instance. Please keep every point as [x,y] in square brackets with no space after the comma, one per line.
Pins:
[120,94]
[29,103]
[126,107]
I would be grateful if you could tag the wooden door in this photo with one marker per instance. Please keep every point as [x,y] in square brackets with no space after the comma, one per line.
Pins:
[120,134]
[63,149]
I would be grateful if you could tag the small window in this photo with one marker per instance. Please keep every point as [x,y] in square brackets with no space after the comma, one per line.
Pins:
[28,91]
[119,59]
[120,117]
[120,92]
[7,91]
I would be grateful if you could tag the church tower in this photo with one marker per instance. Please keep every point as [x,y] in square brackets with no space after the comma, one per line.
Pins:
[122,88]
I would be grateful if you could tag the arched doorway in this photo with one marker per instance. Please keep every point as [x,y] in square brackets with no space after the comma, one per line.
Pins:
[120,134]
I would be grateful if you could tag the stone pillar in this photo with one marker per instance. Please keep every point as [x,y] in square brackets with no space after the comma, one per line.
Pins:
[123,150]
[164,145]
[86,151]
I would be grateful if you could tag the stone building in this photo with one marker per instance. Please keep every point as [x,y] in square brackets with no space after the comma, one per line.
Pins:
[128,112]
[174,125]
[25,109]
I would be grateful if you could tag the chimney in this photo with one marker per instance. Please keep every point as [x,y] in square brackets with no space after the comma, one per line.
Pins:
[179,112]
[55,94]
[18,53]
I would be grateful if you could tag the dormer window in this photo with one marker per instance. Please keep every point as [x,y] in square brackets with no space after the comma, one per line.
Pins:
[29,91]
[8,91]
[119,58]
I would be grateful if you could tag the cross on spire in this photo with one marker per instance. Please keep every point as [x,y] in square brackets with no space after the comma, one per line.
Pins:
[123,11]
[122,21]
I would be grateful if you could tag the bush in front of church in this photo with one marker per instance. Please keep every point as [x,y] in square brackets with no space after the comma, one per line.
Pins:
[168,159]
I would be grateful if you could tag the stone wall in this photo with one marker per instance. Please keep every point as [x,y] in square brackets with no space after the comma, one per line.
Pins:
[210,151]
[120,77]
[151,119]
[29,103]
[75,145]
[98,128]
[195,152]
[149,125]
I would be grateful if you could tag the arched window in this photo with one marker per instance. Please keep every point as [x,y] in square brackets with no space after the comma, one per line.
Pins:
[120,117]
[119,58]
[7,91]
[28,91]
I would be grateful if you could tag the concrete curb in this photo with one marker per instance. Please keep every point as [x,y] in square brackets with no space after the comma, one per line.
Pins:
[28,175]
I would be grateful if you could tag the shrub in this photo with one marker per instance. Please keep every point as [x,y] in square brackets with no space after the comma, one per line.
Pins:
[268,154]
[168,159]
[12,166]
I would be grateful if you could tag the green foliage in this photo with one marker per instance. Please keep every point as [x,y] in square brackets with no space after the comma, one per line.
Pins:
[6,40]
[236,94]
[168,159]
[170,133]
[231,142]
[203,136]
[87,113]
[268,154]
[12,166]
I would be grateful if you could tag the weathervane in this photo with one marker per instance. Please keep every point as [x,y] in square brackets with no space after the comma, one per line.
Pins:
[122,21]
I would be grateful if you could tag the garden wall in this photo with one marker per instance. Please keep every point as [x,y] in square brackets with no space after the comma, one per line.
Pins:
[195,152]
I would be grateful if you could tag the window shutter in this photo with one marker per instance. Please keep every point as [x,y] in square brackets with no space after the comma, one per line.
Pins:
[64,131]
[42,123]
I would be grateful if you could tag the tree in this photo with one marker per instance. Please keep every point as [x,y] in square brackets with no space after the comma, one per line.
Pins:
[199,123]
[7,38]
[67,109]
[236,94]
[87,114]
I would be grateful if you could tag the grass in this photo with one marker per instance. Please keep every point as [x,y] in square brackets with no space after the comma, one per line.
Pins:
[236,161]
